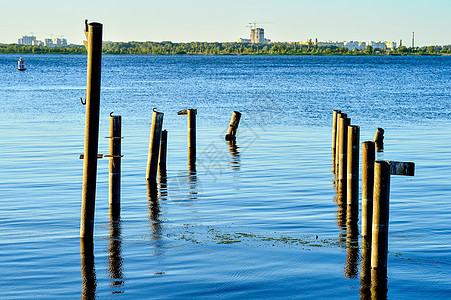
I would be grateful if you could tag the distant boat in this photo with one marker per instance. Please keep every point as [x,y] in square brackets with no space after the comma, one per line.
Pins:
[21,64]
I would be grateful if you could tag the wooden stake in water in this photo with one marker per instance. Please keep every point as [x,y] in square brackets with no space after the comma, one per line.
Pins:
[368,158]
[337,142]
[191,136]
[353,165]
[233,127]
[334,137]
[163,153]
[342,151]
[379,240]
[115,165]
[154,147]
[94,45]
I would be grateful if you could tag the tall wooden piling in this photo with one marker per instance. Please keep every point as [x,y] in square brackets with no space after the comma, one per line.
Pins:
[337,142]
[191,113]
[379,240]
[334,136]
[233,127]
[154,147]
[93,33]
[368,158]
[115,165]
[163,153]
[342,156]
[353,165]
[192,138]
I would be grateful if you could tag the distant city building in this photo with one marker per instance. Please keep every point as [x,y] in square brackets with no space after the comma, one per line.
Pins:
[32,41]
[59,42]
[352,45]
[257,36]
[383,45]
[241,40]
[48,43]
[330,44]
[26,40]
[391,45]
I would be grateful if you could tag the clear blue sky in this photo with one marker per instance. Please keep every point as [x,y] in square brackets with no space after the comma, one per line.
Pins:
[202,20]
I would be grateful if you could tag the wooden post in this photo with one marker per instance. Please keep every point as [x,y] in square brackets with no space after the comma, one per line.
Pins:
[191,136]
[379,240]
[163,153]
[337,142]
[353,165]
[115,166]
[93,33]
[234,122]
[379,139]
[334,137]
[368,158]
[154,147]
[342,152]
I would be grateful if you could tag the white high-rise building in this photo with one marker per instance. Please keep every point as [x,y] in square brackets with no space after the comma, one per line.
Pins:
[27,40]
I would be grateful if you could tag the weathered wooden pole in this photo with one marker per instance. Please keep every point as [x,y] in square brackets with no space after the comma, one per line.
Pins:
[163,153]
[154,147]
[115,165]
[337,142]
[379,240]
[233,127]
[191,136]
[379,139]
[368,158]
[342,149]
[353,165]
[334,137]
[93,33]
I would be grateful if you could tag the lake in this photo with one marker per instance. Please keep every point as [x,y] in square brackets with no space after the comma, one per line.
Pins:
[259,220]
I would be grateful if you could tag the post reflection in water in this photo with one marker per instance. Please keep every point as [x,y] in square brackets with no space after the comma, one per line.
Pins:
[365,269]
[352,241]
[235,161]
[115,255]
[154,217]
[88,271]
[379,288]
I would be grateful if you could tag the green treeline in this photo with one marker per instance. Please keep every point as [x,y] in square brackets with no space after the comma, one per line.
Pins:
[204,48]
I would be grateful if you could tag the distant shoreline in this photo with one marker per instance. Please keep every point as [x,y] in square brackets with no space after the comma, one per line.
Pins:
[199,48]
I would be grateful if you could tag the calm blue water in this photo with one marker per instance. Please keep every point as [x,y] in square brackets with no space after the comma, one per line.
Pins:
[245,225]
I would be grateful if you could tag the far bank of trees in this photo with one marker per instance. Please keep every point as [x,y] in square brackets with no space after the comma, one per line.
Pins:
[216,48]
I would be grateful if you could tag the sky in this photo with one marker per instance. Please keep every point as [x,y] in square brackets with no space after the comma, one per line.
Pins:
[226,20]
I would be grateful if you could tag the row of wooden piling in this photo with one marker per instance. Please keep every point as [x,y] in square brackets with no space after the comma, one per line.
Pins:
[156,162]
[375,184]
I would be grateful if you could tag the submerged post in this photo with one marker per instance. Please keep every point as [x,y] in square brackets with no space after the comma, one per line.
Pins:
[233,127]
[93,33]
[353,165]
[368,158]
[379,240]
[334,137]
[342,156]
[154,147]
[337,142]
[115,165]
[191,136]
[163,152]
